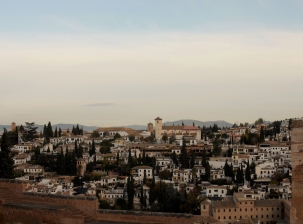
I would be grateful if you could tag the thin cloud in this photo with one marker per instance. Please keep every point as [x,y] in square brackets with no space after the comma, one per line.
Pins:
[100,105]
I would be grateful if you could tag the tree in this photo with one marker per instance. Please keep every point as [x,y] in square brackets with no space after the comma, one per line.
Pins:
[174,158]
[207,171]
[204,158]
[217,147]
[144,158]
[49,129]
[6,161]
[142,198]
[131,138]
[67,162]
[56,133]
[184,158]
[259,121]
[60,132]
[215,128]
[117,159]
[117,135]
[95,134]
[165,174]
[130,159]
[239,175]
[262,135]
[226,169]
[172,139]
[247,172]
[192,160]
[29,133]
[93,148]
[164,137]
[151,191]
[130,191]
[61,163]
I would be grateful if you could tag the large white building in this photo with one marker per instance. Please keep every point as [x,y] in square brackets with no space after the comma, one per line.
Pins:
[184,131]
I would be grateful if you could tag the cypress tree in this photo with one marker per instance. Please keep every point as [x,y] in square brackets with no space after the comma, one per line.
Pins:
[226,169]
[56,133]
[60,132]
[73,164]
[247,173]
[73,130]
[130,191]
[117,162]
[93,148]
[174,158]
[142,197]
[231,172]
[207,171]
[45,131]
[62,163]
[139,159]
[77,130]
[262,135]
[67,162]
[80,152]
[192,161]
[144,158]
[144,178]
[204,158]
[76,149]
[184,159]
[130,159]
[151,191]
[6,161]
[49,129]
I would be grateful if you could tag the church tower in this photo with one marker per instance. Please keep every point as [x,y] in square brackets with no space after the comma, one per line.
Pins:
[158,129]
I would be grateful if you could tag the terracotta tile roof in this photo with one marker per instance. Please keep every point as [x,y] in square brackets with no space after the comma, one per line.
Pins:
[297,124]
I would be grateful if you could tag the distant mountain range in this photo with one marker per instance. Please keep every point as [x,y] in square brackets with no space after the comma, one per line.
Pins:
[197,123]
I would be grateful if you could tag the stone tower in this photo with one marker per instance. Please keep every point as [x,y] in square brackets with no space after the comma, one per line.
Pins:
[158,129]
[150,127]
[296,133]
[13,126]
[205,207]
[81,166]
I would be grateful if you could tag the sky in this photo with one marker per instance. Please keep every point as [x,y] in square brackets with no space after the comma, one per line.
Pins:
[125,62]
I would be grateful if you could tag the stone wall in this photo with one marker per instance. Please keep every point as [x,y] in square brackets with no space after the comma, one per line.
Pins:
[125,216]
[10,214]
[296,212]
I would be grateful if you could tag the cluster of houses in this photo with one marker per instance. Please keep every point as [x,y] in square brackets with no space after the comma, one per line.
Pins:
[270,159]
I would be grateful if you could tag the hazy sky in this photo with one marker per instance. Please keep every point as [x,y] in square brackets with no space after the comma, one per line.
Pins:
[122,62]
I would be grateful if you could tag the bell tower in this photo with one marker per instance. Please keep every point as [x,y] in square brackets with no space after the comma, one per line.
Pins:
[158,129]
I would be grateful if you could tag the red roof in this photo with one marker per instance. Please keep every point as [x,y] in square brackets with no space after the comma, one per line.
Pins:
[190,128]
